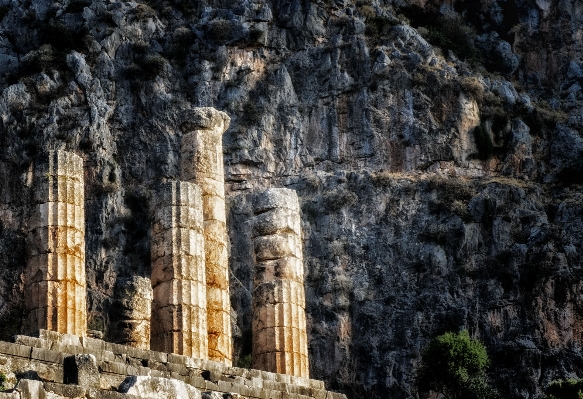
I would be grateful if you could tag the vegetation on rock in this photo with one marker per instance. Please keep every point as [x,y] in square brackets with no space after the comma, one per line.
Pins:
[454,365]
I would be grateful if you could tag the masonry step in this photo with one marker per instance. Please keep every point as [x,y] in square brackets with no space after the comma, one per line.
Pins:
[116,362]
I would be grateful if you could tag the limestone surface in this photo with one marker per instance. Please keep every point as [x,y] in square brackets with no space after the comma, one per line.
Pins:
[158,388]
[279,321]
[55,273]
[202,163]
[179,310]
[131,312]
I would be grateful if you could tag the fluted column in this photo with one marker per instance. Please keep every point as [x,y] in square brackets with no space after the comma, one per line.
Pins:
[202,162]
[131,312]
[280,342]
[55,274]
[179,309]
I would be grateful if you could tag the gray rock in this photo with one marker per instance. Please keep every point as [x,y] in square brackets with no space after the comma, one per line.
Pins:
[158,388]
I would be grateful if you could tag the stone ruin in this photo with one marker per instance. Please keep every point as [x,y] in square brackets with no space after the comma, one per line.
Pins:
[55,284]
[280,342]
[184,308]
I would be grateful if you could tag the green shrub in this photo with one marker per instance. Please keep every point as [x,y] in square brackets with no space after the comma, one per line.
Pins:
[219,30]
[338,199]
[245,362]
[182,39]
[146,65]
[455,366]
[256,35]
[3,381]
[378,27]
[144,12]
[447,32]
[251,113]
[483,142]
[571,388]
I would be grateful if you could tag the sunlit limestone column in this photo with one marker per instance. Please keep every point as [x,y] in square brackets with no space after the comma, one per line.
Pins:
[55,292]
[179,319]
[280,342]
[202,162]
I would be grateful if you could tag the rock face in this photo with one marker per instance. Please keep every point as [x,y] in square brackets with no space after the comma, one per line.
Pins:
[202,162]
[179,317]
[280,343]
[55,285]
[437,191]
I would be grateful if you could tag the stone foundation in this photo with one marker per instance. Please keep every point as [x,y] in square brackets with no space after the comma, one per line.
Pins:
[202,163]
[280,341]
[55,272]
[126,372]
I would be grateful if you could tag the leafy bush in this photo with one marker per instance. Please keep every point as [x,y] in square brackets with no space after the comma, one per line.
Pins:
[3,381]
[146,65]
[484,143]
[455,366]
[143,12]
[251,113]
[182,39]
[338,199]
[245,362]
[565,389]
[219,30]
[448,32]
[257,35]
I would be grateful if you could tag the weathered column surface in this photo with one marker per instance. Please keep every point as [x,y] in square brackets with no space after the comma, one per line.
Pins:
[280,342]
[202,162]
[179,309]
[55,293]
[131,312]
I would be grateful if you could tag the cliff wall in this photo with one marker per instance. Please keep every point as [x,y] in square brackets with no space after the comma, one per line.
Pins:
[440,187]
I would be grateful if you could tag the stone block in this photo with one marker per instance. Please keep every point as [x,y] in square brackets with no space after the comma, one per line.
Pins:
[275,198]
[81,370]
[277,221]
[276,246]
[15,349]
[46,355]
[286,268]
[33,342]
[214,208]
[178,216]
[158,388]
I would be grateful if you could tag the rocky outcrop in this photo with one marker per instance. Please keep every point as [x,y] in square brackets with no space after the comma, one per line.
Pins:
[438,191]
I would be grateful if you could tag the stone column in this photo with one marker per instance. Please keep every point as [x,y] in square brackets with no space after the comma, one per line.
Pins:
[280,343]
[179,319]
[131,312]
[202,162]
[55,293]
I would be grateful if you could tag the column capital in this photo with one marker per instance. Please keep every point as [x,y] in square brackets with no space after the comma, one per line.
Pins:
[204,118]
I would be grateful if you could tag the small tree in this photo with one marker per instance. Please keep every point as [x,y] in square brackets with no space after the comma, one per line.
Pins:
[455,366]
[571,388]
